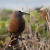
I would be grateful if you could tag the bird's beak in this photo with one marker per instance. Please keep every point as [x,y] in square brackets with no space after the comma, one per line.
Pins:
[25,13]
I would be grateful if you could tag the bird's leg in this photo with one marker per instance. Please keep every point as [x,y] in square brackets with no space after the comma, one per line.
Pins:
[20,36]
[10,34]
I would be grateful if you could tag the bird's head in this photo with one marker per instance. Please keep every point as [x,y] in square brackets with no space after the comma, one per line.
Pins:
[42,10]
[19,13]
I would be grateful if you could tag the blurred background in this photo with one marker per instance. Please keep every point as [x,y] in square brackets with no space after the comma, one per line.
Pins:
[8,6]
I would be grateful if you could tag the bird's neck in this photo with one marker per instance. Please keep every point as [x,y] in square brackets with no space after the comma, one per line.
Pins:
[17,16]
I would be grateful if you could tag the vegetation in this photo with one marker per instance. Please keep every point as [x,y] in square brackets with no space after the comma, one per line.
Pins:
[36,22]
[4,19]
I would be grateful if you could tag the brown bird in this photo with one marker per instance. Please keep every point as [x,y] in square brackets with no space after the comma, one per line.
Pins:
[16,24]
[43,13]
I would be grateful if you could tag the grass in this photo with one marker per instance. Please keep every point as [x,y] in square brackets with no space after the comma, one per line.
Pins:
[35,29]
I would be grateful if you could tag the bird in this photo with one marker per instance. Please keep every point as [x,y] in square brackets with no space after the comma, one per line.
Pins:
[43,13]
[16,24]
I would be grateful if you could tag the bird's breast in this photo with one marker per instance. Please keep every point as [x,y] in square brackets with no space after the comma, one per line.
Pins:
[16,25]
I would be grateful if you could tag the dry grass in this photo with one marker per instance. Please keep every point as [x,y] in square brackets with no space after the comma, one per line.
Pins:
[34,42]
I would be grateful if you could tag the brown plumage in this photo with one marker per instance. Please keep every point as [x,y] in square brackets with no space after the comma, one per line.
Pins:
[43,13]
[16,24]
